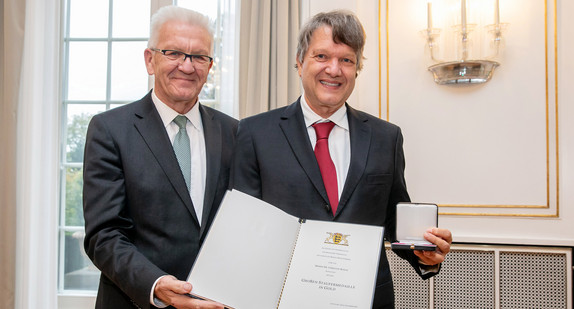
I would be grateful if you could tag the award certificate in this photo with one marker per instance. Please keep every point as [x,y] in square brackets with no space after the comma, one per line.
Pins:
[257,256]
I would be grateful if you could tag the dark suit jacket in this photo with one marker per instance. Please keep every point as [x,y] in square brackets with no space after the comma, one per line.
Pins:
[139,217]
[274,161]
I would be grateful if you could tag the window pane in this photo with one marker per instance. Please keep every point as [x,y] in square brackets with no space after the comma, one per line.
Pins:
[74,211]
[129,74]
[87,71]
[79,272]
[88,19]
[131,18]
[78,117]
[208,90]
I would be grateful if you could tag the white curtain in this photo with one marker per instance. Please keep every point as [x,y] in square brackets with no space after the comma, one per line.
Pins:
[11,50]
[30,116]
[29,121]
[268,42]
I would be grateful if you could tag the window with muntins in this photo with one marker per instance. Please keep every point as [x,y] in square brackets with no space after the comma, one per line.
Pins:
[103,68]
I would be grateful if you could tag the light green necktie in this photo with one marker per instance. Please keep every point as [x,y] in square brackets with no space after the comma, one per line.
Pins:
[182,149]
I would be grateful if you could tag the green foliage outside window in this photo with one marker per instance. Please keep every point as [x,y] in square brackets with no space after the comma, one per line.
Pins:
[76,138]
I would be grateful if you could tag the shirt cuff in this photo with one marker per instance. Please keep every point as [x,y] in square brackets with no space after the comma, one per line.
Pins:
[428,269]
[152,299]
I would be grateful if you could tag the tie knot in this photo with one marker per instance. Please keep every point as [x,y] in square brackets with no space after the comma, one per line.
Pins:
[181,121]
[322,129]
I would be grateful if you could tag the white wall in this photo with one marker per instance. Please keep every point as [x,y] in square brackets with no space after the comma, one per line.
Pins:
[488,154]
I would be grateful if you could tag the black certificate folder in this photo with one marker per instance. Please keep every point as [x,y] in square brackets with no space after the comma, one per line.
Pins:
[257,256]
[413,219]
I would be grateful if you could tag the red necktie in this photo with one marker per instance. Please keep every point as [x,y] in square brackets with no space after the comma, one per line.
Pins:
[326,165]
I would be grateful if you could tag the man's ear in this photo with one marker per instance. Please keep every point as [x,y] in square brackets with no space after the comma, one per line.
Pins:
[148,58]
[298,66]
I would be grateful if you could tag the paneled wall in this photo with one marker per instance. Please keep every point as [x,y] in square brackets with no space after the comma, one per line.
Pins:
[496,157]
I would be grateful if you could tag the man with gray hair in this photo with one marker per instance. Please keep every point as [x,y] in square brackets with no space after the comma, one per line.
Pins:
[155,172]
[320,159]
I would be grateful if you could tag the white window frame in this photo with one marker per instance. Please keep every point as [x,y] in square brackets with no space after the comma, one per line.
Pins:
[227,104]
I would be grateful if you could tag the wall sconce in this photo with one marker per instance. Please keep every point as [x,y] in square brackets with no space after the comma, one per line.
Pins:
[465,69]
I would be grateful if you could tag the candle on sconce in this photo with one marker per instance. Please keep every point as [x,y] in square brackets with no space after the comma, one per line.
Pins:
[496,13]
[429,15]
[463,14]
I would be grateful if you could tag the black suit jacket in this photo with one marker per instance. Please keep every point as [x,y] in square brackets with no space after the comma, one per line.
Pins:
[274,161]
[139,217]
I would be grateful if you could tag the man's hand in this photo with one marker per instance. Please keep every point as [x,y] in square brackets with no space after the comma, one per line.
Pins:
[174,292]
[442,238]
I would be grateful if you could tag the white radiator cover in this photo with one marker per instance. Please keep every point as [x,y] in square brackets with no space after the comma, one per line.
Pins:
[489,276]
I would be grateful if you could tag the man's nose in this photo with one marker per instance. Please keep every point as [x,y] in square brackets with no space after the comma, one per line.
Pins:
[333,67]
[187,66]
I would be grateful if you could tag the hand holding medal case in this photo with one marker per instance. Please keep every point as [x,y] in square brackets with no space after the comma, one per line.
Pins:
[413,219]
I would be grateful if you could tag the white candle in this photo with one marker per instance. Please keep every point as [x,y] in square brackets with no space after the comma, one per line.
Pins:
[463,14]
[429,15]
[496,13]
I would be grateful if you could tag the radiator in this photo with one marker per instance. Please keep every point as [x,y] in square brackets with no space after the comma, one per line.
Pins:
[489,276]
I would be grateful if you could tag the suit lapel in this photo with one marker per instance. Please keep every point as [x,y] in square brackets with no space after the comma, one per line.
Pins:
[149,125]
[293,126]
[360,135]
[212,135]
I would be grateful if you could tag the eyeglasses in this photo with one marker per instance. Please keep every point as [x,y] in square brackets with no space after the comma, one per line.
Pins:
[176,55]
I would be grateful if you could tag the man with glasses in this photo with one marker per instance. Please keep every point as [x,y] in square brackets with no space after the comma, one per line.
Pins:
[320,159]
[155,172]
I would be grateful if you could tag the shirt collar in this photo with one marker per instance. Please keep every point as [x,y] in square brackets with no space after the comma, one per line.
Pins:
[339,117]
[167,114]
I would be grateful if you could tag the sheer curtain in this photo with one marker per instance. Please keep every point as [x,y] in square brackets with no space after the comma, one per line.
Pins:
[29,158]
[268,42]
[29,144]
[11,45]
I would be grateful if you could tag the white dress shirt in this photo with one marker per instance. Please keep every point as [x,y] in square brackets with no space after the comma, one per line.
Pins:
[339,139]
[194,128]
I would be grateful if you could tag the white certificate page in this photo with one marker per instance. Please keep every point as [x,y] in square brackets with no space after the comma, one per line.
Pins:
[245,256]
[334,266]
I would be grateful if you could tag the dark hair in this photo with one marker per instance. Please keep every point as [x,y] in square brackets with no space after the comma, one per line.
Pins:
[346,29]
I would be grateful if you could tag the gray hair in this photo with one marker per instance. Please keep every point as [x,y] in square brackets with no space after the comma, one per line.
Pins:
[175,13]
[346,29]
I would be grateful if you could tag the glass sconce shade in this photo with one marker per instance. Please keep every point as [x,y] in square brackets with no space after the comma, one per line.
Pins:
[463,72]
